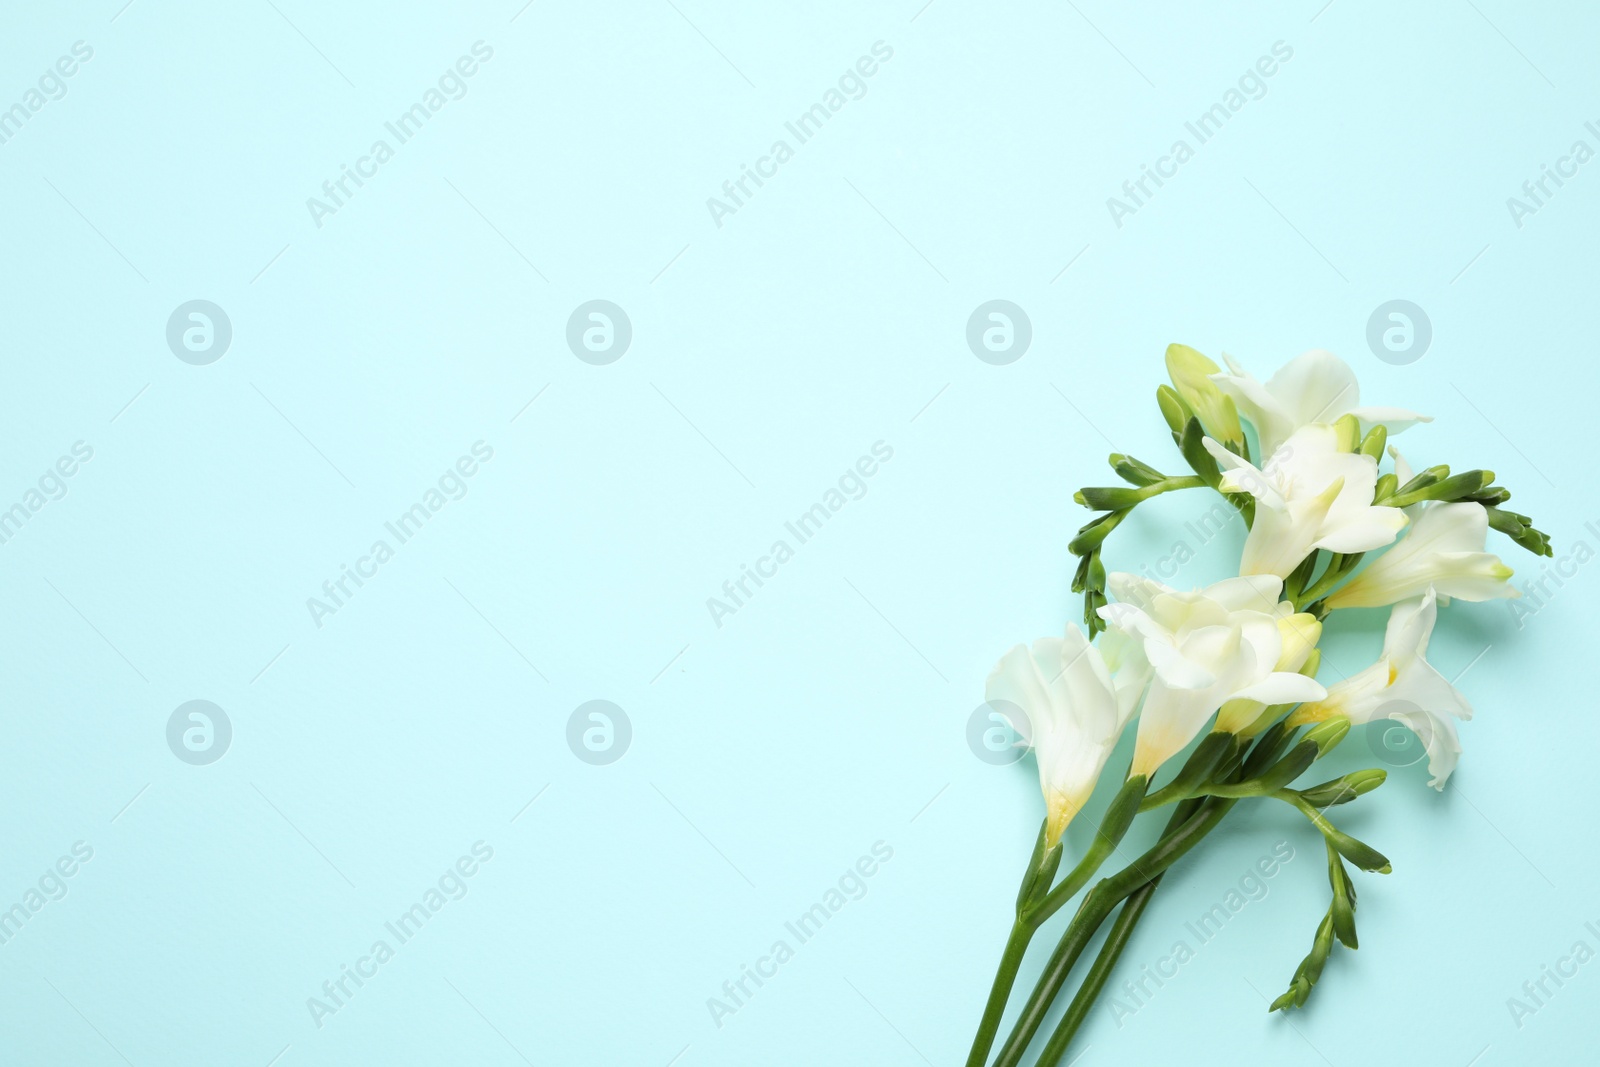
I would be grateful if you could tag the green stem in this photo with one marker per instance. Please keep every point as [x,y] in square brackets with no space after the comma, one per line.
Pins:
[1171,482]
[1191,820]
[1339,567]
[1113,827]
[1099,972]
[1096,907]
[1036,879]
[1217,751]
[1000,992]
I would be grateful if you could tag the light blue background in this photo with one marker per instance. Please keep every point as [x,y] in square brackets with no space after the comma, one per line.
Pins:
[768,354]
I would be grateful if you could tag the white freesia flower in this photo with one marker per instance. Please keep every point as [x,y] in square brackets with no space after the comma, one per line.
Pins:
[1444,550]
[1205,647]
[1300,633]
[1074,714]
[1309,495]
[1316,387]
[1405,687]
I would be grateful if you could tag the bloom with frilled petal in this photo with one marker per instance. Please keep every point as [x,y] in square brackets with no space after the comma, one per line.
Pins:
[1074,711]
[1300,633]
[1403,686]
[1316,387]
[1204,648]
[1442,550]
[1309,495]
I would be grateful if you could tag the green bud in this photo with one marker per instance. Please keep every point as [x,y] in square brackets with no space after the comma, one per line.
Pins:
[1520,529]
[1492,496]
[1132,471]
[1124,806]
[1456,487]
[1326,736]
[1320,949]
[1310,969]
[1345,789]
[1093,601]
[1173,409]
[1295,584]
[1269,715]
[1097,574]
[1343,909]
[1376,438]
[1348,430]
[1212,751]
[1359,853]
[1108,498]
[1265,746]
[1313,661]
[1041,871]
[1192,445]
[1092,534]
[1286,770]
[1386,486]
[1191,377]
[1081,577]
[1287,999]
[1425,479]
[1462,486]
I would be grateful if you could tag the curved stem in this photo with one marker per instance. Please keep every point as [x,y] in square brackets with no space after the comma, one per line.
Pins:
[1171,482]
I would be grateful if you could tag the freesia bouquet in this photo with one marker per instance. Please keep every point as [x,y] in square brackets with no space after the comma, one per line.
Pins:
[1241,655]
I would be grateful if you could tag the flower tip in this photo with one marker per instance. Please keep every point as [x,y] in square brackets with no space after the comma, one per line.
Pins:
[1182,357]
[1060,812]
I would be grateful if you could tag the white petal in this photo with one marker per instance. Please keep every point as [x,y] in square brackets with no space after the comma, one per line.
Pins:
[1258,406]
[1374,528]
[1170,720]
[1253,592]
[1014,687]
[1420,684]
[1473,576]
[1281,687]
[1281,537]
[1394,420]
[1410,625]
[1083,685]
[1132,589]
[1438,735]
[1315,387]
[1402,470]
[1357,697]
[1174,669]
[1444,548]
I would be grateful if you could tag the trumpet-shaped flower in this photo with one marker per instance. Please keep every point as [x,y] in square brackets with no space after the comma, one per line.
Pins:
[1309,495]
[1074,712]
[1300,633]
[1443,550]
[1316,387]
[1403,686]
[1205,648]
